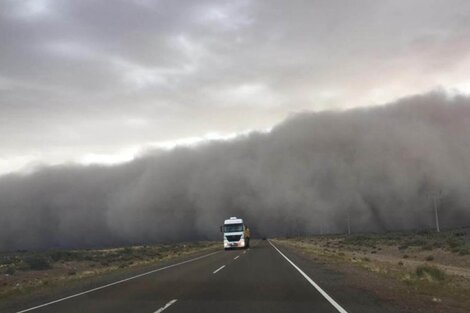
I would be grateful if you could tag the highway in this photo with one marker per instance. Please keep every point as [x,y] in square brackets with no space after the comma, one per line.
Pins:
[264,278]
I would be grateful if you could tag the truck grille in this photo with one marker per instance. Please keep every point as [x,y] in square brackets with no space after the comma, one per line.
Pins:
[233,237]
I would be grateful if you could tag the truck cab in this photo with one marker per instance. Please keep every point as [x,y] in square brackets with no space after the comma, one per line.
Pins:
[236,233]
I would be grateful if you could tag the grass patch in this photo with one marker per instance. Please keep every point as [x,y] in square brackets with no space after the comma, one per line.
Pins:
[37,263]
[464,251]
[455,243]
[430,273]
[416,242]
[10,270]
[428,247]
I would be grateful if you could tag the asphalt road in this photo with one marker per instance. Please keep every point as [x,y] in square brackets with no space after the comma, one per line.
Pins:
[260,279]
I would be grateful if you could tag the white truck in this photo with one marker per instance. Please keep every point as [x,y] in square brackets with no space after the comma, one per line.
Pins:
[236,233]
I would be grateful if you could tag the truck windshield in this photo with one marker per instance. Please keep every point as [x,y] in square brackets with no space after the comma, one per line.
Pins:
[233,228]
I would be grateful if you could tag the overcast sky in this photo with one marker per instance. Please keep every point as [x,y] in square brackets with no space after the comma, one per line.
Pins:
[98,81]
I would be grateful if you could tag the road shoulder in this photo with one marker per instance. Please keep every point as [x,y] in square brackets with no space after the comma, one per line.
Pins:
[362,290]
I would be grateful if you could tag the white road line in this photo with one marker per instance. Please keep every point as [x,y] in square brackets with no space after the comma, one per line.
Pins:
[166,306]
[321,291]
[117,282]
[236,257]
[218,269]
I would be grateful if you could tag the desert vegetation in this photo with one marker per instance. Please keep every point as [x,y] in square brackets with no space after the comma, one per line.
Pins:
[24,271]
[433,265]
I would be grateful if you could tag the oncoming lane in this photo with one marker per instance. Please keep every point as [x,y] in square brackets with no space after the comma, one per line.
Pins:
[144,292]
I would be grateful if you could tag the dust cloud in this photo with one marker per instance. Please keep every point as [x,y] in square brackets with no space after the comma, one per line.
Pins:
[382,167]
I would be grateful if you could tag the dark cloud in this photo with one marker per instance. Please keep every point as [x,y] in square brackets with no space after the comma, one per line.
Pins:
[380,164]
[75,75]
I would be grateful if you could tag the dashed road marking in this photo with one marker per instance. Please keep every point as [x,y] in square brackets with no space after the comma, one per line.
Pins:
[116,282]
[166,306]
[236,257]
[218,269]
[321,291]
